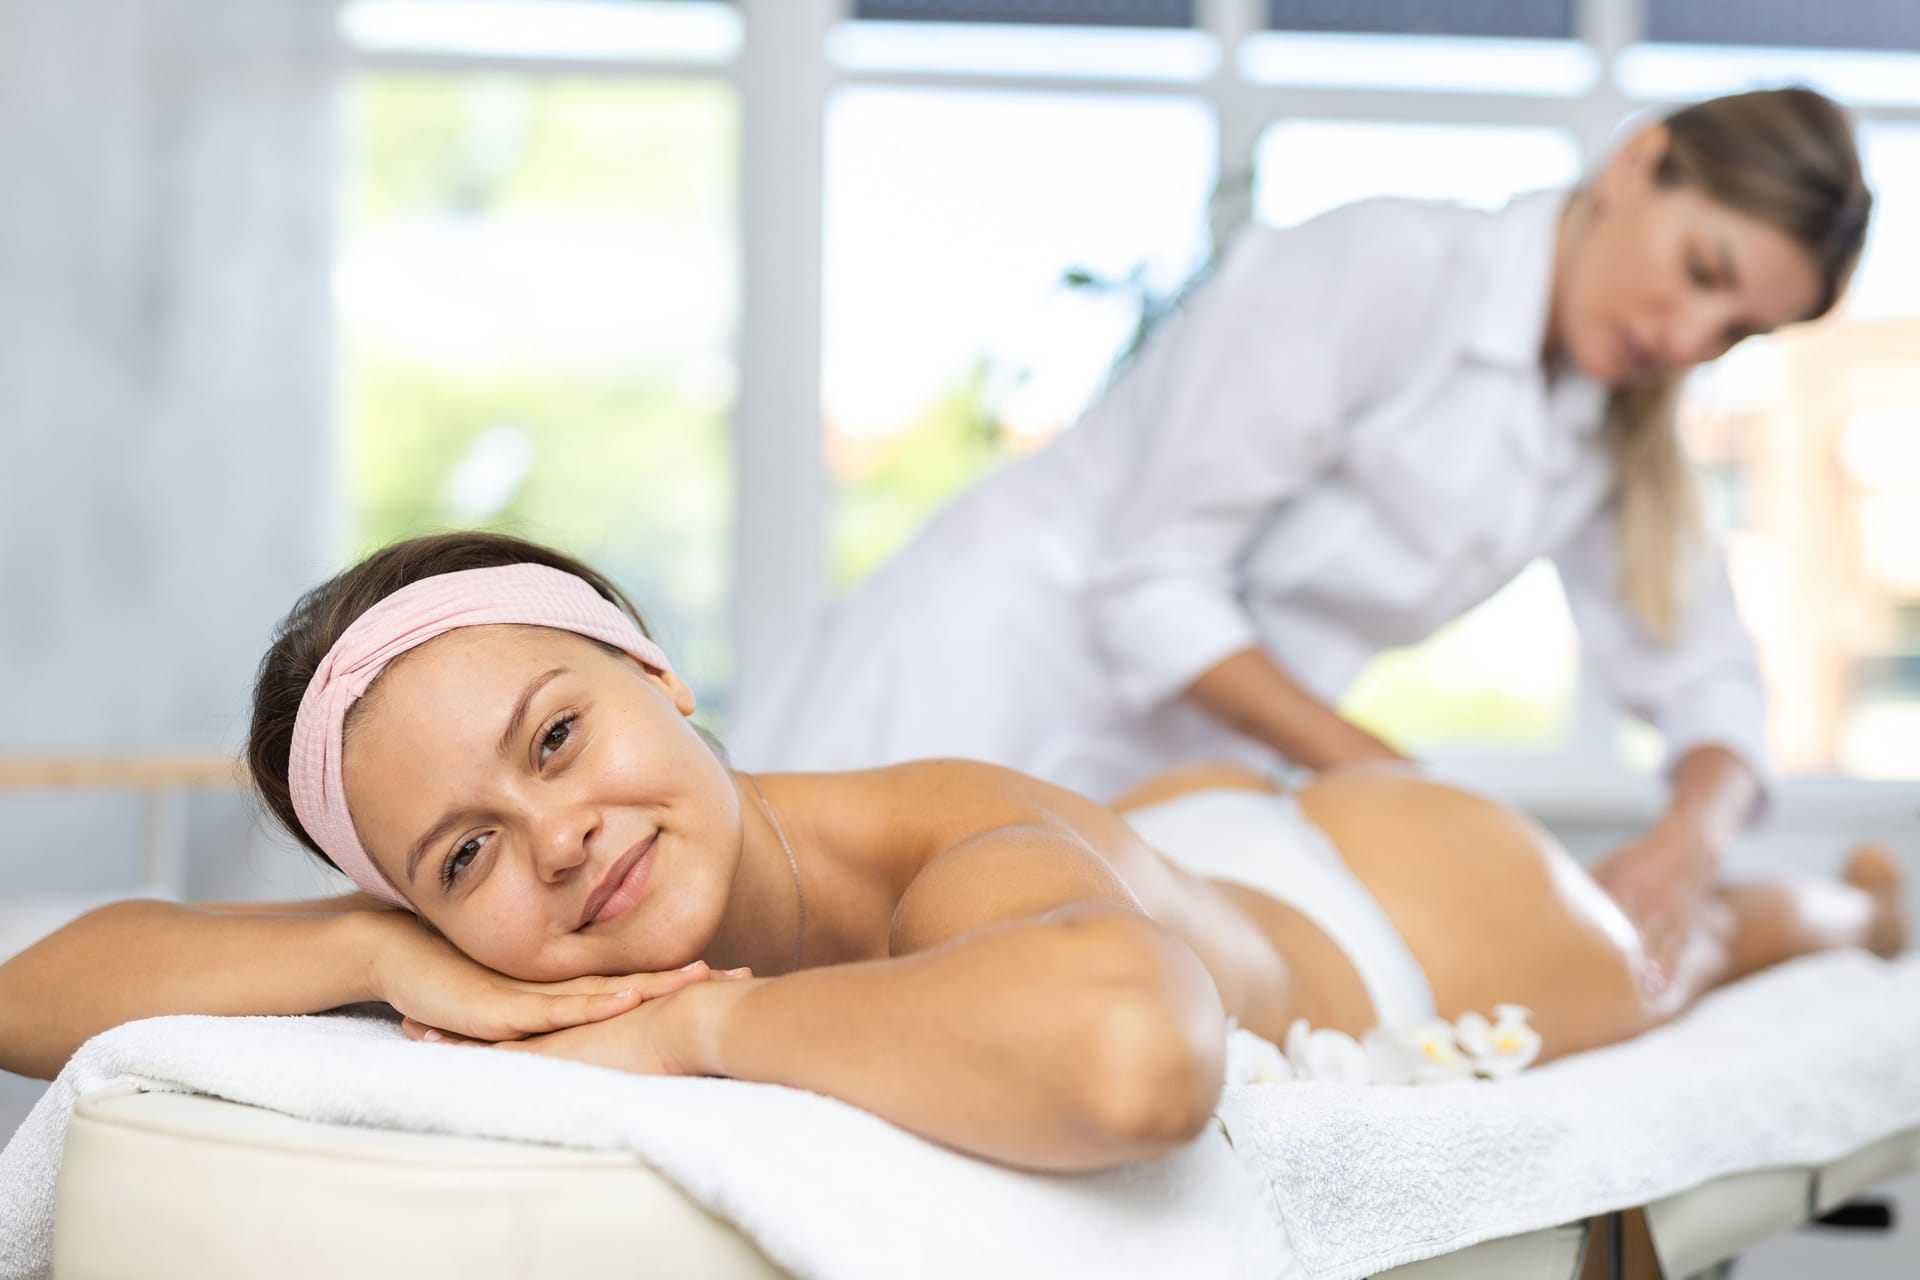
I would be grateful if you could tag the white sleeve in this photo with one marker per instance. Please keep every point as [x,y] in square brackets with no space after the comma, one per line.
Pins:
[1703,688]
[1244,396]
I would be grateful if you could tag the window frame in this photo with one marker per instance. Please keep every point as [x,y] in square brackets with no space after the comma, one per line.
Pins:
[784,75]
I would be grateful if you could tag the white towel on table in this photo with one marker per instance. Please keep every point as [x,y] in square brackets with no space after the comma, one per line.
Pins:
[1796,1066]
[795,1171]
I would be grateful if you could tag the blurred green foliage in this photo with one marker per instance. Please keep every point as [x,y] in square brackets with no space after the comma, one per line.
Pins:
[882,500]
[646,150]
[630,463]
[1414,699]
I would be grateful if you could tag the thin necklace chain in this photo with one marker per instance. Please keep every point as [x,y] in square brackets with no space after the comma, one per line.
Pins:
[799,894]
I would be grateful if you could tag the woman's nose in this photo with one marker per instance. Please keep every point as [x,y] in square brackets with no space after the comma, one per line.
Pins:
[560,840]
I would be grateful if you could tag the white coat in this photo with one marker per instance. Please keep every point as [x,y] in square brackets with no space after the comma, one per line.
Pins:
[1346,441]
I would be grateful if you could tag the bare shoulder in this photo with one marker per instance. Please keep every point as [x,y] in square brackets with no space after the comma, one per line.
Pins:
[917,810]
[951,799]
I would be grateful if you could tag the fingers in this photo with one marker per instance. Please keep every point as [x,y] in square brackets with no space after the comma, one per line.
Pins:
[516,1010]
[432,1035]
[649,985]
[609,984]
[1656,973]
[420,1031]
[1649,917]
[556,1012]
[541,1014]
[1669,930]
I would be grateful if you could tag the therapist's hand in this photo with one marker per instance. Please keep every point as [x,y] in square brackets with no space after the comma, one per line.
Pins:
[1662,880]
[1350,745]
[1251,694]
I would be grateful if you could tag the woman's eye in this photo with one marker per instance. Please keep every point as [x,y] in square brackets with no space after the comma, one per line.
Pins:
[556,735]
[459,860]
[1698,273]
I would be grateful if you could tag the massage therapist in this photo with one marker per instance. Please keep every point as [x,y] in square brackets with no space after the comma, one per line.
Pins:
[1358,430]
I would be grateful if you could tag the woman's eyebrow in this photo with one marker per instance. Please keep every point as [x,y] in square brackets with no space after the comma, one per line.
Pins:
[519,717]
[433,837]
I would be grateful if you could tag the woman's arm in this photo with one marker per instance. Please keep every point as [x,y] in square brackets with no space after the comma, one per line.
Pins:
[1701,688]
[1662,878]
[144,959]
[1084,1038]
[1029,1013]
[1251,694]
[1714,794]
[140,959]
[355,901]
[1243,403]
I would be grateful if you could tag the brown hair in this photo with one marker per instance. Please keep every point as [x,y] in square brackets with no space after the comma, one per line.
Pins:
[1786,157]
[320,617]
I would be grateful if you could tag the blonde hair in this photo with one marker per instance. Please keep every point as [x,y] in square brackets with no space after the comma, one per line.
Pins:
[1786,157]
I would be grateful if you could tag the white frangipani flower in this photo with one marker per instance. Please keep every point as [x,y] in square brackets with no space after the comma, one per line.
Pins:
[1431,1053]
[1436,1056]
[1252,1060]
[1332,1056]
[1391,1055]
[1502,1048]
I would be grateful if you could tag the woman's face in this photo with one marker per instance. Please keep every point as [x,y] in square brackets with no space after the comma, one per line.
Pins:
[544,803]
[1655,280]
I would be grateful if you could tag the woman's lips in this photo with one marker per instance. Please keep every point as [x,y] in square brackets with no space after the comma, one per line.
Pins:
[623,886]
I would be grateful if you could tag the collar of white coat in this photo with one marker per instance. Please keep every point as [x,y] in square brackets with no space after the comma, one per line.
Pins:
[1510,326]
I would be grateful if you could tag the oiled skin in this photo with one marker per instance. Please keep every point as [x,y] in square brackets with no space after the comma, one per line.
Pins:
[1492,907]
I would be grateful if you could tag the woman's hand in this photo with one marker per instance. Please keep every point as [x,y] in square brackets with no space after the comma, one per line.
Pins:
[662,1037]
[1354,747]
[1251,693]
[1662,880]
[432,982]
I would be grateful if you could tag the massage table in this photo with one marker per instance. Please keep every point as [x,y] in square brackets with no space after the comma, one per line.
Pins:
[159,1186]
[170,1180]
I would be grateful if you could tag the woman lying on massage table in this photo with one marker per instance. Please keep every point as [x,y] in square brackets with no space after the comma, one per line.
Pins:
[985,959]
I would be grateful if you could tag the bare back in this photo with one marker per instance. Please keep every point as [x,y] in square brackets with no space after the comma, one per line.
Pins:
[1493,909]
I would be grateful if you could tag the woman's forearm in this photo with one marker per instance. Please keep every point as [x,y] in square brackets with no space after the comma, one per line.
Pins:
[1072,1042]
[1714,792]
[1250,693]
[142,959]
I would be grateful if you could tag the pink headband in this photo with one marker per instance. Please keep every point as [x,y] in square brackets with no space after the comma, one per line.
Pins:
[525,594]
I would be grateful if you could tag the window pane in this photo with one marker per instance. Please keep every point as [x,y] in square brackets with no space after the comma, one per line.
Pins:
[1810,442]
[1785,23]
[663,30]
[986,49]
[535,292]
[1402,63]
[1506,674]
[1123,13]
[1305,167]
[950,338]
[1539,19]
[1685,72]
